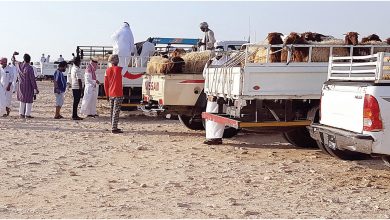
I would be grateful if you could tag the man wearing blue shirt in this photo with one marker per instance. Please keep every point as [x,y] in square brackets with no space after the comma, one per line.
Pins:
[59,88]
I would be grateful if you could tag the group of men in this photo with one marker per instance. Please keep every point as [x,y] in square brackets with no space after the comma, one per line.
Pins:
[26,85]
[123,47]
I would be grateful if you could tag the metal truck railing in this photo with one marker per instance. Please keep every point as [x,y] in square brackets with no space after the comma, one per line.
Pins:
[374,67]
[220,77]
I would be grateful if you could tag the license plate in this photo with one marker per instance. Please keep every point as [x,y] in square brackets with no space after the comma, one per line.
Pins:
[332,142]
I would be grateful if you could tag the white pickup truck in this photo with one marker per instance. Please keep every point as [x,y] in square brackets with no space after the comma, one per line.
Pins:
[355,108]
[278,95]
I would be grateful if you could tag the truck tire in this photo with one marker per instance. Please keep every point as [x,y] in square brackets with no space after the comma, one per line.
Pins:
[191,123]
[230,132]
[323,148]
[346,154]
[300,137]
[386,160]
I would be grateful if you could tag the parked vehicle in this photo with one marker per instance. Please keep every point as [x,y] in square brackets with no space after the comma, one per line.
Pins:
[355,108]
[282,96]
[181,94]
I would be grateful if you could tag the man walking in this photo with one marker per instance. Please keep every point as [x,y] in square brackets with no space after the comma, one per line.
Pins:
[114,91]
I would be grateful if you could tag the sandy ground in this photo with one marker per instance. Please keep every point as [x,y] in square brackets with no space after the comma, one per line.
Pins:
[159,169]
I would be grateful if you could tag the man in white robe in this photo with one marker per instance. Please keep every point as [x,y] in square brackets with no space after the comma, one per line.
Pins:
[7,79]
[214,131]
[88,105]
[148,49]
[208,39]
[2,97]
[123,43]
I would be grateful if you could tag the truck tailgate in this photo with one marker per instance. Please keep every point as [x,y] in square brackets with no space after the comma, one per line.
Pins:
[342,106]
[173,89]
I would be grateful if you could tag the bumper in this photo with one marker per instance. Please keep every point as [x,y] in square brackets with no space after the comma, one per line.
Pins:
[341,139]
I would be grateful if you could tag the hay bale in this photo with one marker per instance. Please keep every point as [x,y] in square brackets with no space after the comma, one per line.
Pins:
[321,54]
[196,61]
[157,65]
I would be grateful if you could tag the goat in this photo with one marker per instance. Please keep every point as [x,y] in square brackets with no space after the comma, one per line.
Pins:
[298,54]
[275,38]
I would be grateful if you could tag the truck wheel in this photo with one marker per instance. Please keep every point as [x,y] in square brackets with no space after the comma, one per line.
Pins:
[300,137]
[191,123]
[346,154]
[386,160]
[230,132]
[323,148]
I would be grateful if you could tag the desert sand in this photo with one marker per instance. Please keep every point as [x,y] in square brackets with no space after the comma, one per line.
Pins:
[159,169]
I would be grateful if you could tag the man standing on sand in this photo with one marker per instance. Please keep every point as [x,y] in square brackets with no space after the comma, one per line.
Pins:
[123,43]
[214,131]
[114,91]
[27,87]
[77,86]
[88,105]
[59,88]
[7,79]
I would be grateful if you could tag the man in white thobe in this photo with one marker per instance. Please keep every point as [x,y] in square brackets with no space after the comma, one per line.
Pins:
[214,131]
[2,97]
[208,39]
[148,49]
[43,61]
[60,59]
[123,43]
[7,79]
[88,105]
[48,59]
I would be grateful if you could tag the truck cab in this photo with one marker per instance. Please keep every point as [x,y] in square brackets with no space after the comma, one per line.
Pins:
[355,106]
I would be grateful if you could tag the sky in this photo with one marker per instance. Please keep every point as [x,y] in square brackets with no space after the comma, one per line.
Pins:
[58,27]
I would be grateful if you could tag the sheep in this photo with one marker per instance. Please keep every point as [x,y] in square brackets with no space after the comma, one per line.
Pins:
[275,38]
[298,54]
[312,36]
[259,54]
[351,38]
[156,65]
[175,65]
[321,54]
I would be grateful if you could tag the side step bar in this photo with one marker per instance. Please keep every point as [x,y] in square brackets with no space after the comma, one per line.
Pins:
[224,119]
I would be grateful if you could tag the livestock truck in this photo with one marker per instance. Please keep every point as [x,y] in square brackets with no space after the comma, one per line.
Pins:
[181,94]
[271,95]
[355,108]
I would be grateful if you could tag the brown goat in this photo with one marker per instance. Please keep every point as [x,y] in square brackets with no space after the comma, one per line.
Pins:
[351,38]
[275,38]
[312,36]
[175,65]
[372,37]
[298,54]
[388,41]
